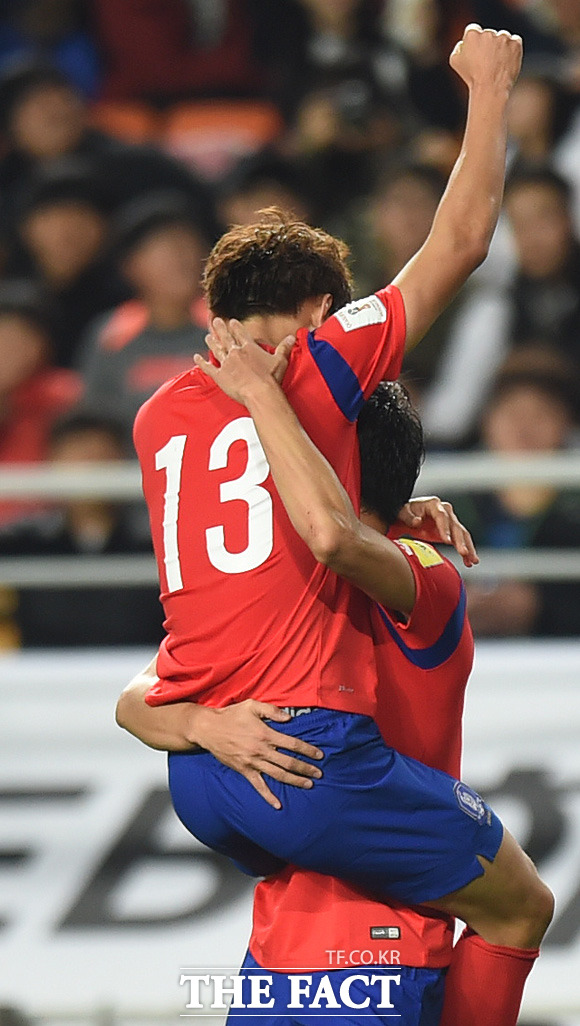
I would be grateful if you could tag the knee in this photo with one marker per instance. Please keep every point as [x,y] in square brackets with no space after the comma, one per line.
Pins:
[543,902]
[530,923]
[522,910]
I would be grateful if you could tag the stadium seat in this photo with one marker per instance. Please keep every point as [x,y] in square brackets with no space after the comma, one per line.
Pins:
[212,135]
[132,122]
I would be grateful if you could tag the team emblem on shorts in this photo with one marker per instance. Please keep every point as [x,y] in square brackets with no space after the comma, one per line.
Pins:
[470,802]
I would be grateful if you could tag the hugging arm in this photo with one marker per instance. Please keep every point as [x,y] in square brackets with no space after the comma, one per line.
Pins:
[236,735]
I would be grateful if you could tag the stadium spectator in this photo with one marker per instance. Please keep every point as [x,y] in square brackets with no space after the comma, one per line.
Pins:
[545,295]
[393,222]
[533,409]
[108,615]
[341,85]
[160,246]
[534,117]
[383,232]
[542,300]
[170,49]
[321,44]
[43,116]
[425,32]
[56,30]
[341,135]
[61,233]
[32,392]
[264,180]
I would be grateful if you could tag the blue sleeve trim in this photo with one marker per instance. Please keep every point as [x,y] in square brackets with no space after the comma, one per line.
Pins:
[340,378]
[434,655]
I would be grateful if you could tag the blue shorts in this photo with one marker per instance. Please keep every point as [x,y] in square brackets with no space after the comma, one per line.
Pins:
[385,822]
[416,996]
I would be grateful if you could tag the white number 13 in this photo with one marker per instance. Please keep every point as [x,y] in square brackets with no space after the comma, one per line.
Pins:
[247,488]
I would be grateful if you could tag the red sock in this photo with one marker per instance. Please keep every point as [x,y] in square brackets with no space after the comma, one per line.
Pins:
[485,983]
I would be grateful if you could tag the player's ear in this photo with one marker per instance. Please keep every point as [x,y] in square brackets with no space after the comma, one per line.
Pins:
[321,310]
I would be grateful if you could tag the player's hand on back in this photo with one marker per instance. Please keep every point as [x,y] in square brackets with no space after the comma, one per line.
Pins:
[434,521]
[238,736]
[487,57]
[244,365]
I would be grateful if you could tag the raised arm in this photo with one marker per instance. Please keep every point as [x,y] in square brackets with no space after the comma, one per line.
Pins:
[489,63]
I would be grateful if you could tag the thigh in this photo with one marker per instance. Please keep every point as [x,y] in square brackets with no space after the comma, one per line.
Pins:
[382,821]
[210,811]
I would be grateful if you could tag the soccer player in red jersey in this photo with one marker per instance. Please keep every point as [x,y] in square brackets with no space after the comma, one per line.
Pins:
[306,637]
[277,626]
[424,655]
[303,921]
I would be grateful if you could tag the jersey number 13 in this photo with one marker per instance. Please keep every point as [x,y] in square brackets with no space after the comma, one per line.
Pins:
[248,487]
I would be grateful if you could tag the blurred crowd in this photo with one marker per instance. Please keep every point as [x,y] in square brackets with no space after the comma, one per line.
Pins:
[132,134]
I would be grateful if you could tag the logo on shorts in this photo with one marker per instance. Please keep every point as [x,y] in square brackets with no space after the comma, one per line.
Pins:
[470,802]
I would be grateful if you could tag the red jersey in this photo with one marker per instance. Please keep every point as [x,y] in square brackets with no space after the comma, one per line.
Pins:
[424,665]
[249,612]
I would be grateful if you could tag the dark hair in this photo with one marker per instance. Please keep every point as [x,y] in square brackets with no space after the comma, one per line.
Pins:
[61,181]
[23,297]
[152,212]
[274,266]
[425,174]
[542,175]
[392,449]
[81,421]
[22,77]
[539,366]
[264,167]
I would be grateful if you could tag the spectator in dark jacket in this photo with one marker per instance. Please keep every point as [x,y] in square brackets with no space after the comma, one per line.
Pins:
[63,226]
[43,117]
[65,616]
[160,247]
[532,410]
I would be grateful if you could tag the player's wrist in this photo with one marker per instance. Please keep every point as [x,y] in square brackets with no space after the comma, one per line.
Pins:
[261,392]
[199,723]
[492,92]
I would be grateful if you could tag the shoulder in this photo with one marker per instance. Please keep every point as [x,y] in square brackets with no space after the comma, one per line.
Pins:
[378,308]
[434,572]
[173,397]
[439,589]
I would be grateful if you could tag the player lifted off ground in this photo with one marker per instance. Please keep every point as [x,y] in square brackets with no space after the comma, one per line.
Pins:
[251,614]
[299,915]
[306,922]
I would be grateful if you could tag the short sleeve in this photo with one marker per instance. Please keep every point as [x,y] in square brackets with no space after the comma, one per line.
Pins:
[359,346]
[436,625]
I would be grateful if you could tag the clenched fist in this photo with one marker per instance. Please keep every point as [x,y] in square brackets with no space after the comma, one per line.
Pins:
[487,57]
